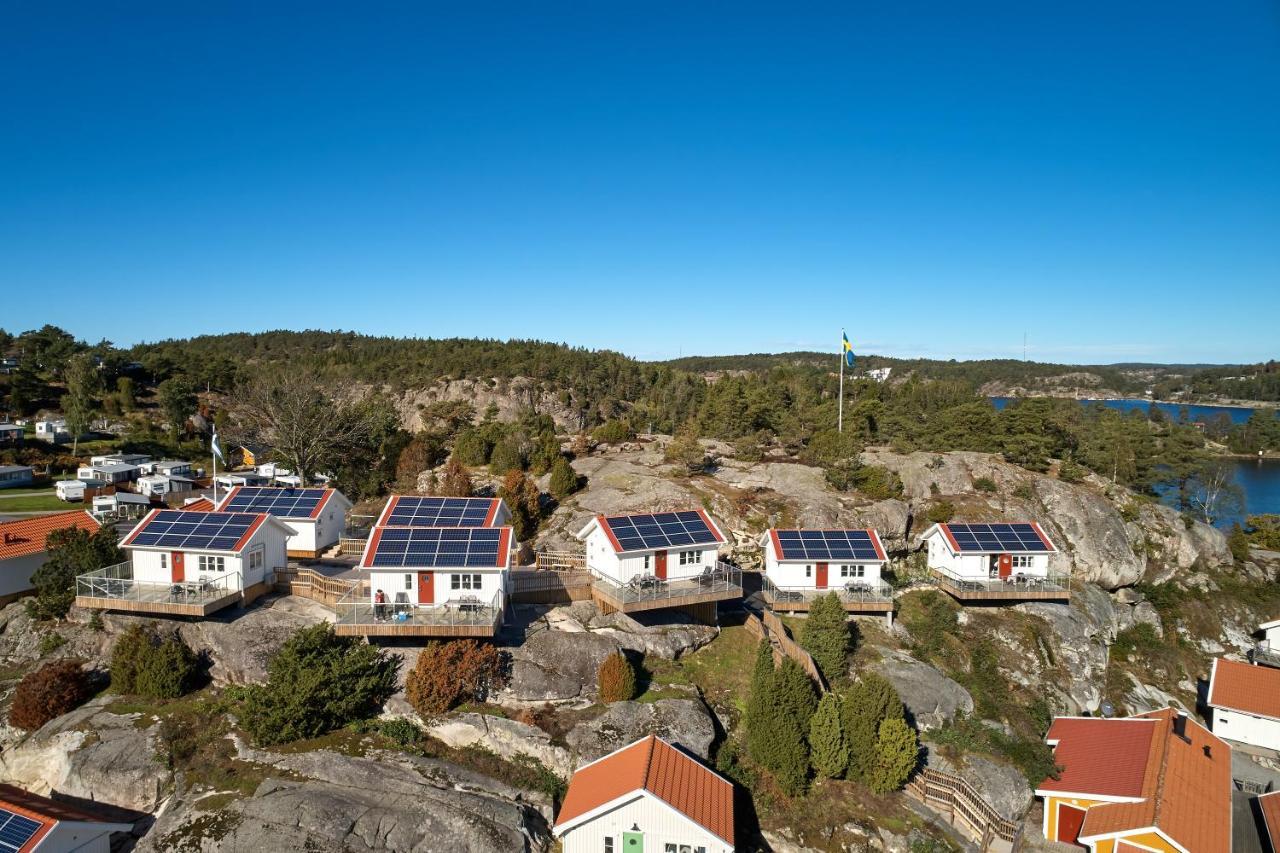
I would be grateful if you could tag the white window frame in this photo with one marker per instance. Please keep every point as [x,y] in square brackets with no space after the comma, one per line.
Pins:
[211,564]
[808,571]
[466,582]
[257,558]
[690,558]
[853,570]
[1023,561]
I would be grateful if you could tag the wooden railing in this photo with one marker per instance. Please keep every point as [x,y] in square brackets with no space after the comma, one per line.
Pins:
[534,586]
[966,807]
[560,561]
[309,583]
[769,628]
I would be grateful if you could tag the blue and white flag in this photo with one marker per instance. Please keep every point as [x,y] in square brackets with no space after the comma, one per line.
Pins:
[217,451]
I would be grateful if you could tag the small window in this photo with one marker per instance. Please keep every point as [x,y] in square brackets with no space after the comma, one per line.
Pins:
[408,581]
[464,581]
[808,571]
[669,848]
[646,562]
[164,561]
[608,844]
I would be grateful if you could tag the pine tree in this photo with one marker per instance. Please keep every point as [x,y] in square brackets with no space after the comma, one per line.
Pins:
[827,637]
[757,703]
[795,693]
[828,752]
[564,480]
[868,703]
[455,481]
[897,753]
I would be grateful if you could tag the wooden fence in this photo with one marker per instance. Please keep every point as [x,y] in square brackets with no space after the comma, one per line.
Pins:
[771,630]
[560,561]
[533,586]
[309,583]
[967,809]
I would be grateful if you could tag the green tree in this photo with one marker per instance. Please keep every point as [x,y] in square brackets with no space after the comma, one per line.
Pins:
[525,502]
[827,637]
[316,683]
[564,480]
[506,456]
[828,753]
[146,663]
[80,402]
[868,703]
[455,481]
[72,551]
[178,402]
[686,452]
[897,753]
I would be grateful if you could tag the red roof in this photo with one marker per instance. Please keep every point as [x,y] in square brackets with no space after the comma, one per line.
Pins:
[198,505]
[1244,687]
[655,766]
[48,813]
[27,535]
[1099,756]
[1269,805]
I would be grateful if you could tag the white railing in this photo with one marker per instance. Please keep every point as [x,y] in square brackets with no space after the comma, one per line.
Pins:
[117,582]
[851,592]
[722,579]
[1018,582]
[357,608]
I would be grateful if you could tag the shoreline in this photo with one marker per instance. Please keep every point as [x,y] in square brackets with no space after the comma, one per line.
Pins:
[1249,406]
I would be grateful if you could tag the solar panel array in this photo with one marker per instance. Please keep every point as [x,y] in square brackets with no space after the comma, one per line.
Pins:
[827,545]
[15,830]
[437,547]
[410,511]
[217,531]
[997,537]
[661,530]
[282,503]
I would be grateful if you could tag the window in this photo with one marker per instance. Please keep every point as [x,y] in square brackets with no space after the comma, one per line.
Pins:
[164,561]
[464,581]
[408,581]
[210,564]
[646,562]
[690,558]
[669,848]
[257,558]
[1022,561]
[847,571]
[608,844]
[808,571]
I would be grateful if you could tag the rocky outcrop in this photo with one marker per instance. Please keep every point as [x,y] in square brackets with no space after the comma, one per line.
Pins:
[553,666]
[386,802]
[507,738]
[1003,786]
[661,634]
[931,698]
[1078,636]
[91,754]
[685,722]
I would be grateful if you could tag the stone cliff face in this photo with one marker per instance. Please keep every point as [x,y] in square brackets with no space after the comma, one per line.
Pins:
[510,396]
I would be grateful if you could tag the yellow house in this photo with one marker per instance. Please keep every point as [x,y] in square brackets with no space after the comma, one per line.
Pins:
[1155,782]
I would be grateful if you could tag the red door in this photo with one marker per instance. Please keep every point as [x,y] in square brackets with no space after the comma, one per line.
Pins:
[1006,565]
[660,565]
[177,567]
[1070,819]
[822,576]
[426,587]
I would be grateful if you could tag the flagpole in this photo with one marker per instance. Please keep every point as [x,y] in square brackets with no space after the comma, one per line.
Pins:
[840,410]
[214,451]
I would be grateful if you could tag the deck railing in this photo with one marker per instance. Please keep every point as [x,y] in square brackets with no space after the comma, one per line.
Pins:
[560,561]
[117,582]
[854,592]
[966,806]
[722,578]
[1262,653]
[356,608]
[1015,583]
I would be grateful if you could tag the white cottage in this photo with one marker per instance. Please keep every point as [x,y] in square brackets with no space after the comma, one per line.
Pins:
[429,511]
[814,560]
[23,547]
[664,545]
[35,824]
[316,517]
[649,797]
[1244,703]
[988,551]
[166,467]
[437,567]
[222,550]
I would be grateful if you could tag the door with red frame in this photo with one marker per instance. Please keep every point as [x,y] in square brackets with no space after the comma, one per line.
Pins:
[426,588]
[821,580]
[660,565]
[177,567]
[1006,565]
[1070,819]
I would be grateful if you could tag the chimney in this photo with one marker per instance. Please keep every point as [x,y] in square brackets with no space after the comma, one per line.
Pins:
[1180,725]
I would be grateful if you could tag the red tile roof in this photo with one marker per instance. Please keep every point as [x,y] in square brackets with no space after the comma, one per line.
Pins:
[48,813]
[198,505]
[1244,687]
[655,766]
[27,535]
[1185,782]
[1269,805]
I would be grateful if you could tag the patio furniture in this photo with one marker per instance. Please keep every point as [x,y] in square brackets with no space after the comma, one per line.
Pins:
[402,603]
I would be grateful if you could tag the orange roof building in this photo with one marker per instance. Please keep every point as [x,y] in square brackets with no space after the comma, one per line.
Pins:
[1245,702]
[35,824]
[1269,808]
[1157,781]
[648,797]
[23,547]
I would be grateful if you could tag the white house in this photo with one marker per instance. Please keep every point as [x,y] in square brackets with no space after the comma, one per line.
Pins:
[222,550]
[315,517]
[23,547]
[988,551]
[139,459]
[649,797]
[166,467]
[73,490]
[822,559]
[663,545]
[121,503]
[434,567]
[1244,703]
[109,472]
[159,485]
[52,430]
[242,478]
[34,824]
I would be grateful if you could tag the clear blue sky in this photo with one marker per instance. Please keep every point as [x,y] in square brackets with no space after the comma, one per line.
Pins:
[655,178]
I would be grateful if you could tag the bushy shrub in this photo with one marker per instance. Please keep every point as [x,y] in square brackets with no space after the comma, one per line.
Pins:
[613,431]
[985,484]
[146,663]
[1238,542]
[828,752]
[72,552]
[450,673]
[897,753]
[316,683]
[687,452]
[863,708]
[940,512]
[49,692]
[1070,472]
[826,635]
[616,678]
[777,721]
[564,480]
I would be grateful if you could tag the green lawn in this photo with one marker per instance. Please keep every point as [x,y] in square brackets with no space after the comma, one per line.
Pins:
[35,503]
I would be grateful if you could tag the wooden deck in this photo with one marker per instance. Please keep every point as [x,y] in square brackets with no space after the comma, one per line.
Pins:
[412,629]
[607,597]
[171,607]
[787,605]
[358,619]
[998,591]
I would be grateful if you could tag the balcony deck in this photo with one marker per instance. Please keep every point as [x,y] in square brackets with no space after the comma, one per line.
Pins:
[1264,655]
[869,598]
[358,617]
[1055,587]
[114,588]
[724,583]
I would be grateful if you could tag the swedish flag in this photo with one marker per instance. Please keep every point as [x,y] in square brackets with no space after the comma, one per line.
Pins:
[848,349]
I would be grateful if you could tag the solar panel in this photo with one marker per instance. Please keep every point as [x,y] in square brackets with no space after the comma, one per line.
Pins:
[437,547]
[823,545]
[282,503]
[411,511]
[1005,538]
[183,529]
[15,830]
[661,530]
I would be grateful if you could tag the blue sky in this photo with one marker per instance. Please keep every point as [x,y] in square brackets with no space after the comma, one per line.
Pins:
[696,178]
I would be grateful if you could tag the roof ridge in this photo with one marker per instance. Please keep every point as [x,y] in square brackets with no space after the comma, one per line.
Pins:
[651,747]
[1162,743]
